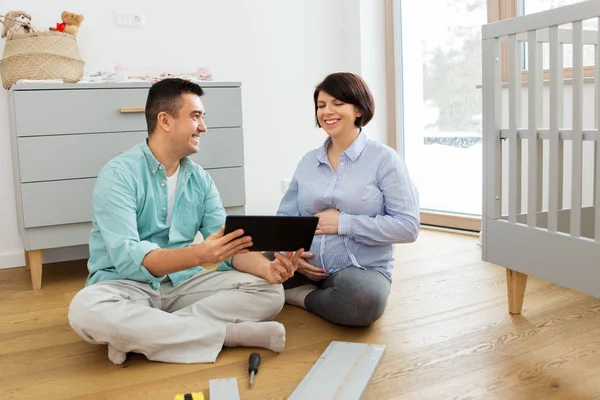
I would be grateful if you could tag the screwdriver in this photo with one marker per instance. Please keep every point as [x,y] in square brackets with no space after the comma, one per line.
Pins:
[253,362]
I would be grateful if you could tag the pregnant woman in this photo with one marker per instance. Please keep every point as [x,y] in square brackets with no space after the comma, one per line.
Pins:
[365,200]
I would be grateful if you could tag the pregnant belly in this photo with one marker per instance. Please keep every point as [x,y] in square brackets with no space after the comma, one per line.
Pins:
[329,252]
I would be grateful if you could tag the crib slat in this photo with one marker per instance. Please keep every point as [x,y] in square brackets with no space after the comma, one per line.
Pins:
[561,116]
[514,101]
[597,83]
[519,152]
[492,114]
[597,142]
[540,86]
[555,104]
[577,140]
[533,72]
[540,123]
[597,190]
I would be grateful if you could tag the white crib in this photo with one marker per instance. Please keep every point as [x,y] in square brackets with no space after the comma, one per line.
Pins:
[540,213]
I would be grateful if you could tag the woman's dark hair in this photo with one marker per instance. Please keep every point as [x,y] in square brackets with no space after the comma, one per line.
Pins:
[349,88]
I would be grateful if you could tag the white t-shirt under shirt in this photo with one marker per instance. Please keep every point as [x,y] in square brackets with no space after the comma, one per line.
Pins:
[171,190]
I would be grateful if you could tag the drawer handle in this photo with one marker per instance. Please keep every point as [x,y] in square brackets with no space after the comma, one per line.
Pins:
[126,110]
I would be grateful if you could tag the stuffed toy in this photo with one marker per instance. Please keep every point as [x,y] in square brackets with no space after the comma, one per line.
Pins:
[16,23]
[70,23]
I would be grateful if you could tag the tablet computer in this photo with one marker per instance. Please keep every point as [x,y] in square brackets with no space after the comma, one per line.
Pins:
[275,233]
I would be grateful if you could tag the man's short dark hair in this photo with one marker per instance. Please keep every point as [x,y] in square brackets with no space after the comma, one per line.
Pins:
[349,88]
[165,95]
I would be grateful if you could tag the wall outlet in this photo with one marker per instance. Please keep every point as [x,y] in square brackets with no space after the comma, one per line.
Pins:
[285,184]
[130,20]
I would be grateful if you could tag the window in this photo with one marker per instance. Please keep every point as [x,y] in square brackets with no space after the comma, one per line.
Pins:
[436,107]
[441,112]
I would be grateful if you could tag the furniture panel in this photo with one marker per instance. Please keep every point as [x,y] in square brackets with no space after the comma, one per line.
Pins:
[56,203]
[56,236]
[220,148]
[64,112]
[49,158]
[70,201]
[230,184]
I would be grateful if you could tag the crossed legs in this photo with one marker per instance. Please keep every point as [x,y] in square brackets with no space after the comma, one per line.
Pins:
[351,296]
[189,323]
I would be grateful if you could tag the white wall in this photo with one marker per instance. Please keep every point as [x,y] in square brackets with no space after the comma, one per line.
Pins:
[372,63]
[278,50]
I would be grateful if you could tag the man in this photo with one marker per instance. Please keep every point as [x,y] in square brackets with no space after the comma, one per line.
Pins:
[146,292]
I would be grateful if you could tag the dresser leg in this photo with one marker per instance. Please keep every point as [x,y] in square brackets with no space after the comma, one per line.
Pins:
[35,264]
[27,265]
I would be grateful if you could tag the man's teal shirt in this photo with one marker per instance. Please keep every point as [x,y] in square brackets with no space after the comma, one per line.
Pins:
[130,211]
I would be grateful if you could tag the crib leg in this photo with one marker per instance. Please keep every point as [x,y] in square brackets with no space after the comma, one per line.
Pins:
[515,282]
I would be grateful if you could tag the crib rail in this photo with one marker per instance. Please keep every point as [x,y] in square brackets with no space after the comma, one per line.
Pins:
[564,36]
[526,120]
[541,20]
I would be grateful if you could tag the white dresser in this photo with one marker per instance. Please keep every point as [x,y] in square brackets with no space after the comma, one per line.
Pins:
[63,134]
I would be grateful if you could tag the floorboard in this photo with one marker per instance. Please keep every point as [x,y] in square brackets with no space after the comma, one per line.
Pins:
[446,327]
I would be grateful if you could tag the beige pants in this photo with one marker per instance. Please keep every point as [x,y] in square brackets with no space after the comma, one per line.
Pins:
[184,324]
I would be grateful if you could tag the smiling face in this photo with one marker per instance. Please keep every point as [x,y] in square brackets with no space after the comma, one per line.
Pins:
[185,128]
[336,117]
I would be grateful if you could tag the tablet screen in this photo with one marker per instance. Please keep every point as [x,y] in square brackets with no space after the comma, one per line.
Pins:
[275,233]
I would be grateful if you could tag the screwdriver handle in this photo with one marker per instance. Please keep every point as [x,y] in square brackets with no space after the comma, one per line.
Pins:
[253,363]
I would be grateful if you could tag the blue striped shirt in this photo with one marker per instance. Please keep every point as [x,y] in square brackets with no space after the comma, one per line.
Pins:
[378,204]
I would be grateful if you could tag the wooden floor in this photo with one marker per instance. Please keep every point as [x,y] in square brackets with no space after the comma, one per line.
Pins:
[447,330]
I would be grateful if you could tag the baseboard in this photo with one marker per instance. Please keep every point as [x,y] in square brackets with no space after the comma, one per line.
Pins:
[12,259]
[452,221]
[450,230]
[15,259]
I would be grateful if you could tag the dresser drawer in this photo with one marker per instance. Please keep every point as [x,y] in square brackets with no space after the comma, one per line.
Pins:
[55,203]
[48,158]
[220,148]
[64,112]
[58,157]
[230,183]
[70,201]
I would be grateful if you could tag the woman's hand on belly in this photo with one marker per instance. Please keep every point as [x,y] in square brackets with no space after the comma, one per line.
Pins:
[309,270]
[328,222]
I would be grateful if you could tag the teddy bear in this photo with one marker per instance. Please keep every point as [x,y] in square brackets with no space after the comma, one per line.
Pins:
[70,23]
[16,23]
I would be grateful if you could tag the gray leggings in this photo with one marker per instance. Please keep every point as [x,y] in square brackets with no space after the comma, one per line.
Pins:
[352,296]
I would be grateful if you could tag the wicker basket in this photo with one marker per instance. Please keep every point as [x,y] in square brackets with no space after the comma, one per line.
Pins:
[41,55]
